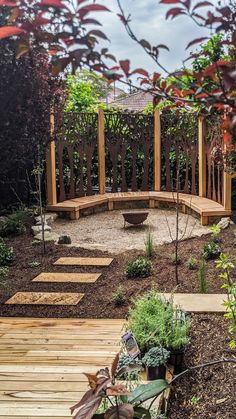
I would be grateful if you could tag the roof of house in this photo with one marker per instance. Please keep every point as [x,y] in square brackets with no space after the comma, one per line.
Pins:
[113,95]
[135,102]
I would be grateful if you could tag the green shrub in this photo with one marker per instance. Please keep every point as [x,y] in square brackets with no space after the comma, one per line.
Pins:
[226,265]
[139,268]
[210,250]
[203,287]
[149,245]
[215,232]
[175,259]
[156,356]
[34,264]
[192,263]
[4,271]
[35,242]
[7,254]
[156,322]
[12,227]
[118,296]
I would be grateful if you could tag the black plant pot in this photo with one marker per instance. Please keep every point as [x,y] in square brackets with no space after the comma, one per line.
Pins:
[177,359]
[156,373]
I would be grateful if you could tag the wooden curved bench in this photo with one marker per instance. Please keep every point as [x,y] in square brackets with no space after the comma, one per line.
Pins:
[203,206]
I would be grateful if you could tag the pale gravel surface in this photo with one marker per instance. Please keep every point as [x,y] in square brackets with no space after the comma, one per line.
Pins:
[105,230]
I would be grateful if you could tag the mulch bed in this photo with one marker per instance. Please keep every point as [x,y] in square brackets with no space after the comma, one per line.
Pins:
[97,302]
[208,392]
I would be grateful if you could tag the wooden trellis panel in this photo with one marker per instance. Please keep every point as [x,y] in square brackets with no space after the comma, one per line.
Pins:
[76,148]
[214,159]
[129,145]
[179,146]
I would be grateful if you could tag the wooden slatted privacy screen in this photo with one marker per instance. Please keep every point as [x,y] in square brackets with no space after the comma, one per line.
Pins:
[214,145]
[77,154]
[129,151]
[112,152]
[179,144]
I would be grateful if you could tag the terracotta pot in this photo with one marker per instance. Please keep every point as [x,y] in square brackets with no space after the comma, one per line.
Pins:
[156,373]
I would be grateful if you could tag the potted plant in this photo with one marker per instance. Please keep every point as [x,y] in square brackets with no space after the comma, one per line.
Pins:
[154,361]
[156,321]
[129,374]
[178,339]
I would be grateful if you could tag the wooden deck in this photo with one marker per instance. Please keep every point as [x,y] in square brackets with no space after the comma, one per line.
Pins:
[203,206]
[42,361]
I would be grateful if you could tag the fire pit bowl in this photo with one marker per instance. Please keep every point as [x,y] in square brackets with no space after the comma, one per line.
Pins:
[135,217]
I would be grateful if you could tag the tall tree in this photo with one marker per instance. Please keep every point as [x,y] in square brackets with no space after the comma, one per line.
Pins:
[85,90]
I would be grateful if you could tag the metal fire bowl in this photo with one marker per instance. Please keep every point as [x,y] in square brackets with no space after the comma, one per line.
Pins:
[135,217]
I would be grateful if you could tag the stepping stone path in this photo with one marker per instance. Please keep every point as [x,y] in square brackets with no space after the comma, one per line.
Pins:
[51,298]
[65,277]
[60,298]
[83,261]
[200,303]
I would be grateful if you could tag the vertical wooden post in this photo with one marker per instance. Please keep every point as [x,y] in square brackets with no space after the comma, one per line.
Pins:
[227,194]
[101,152]
[157,151]
[227,179]
[51,167]
[202,155]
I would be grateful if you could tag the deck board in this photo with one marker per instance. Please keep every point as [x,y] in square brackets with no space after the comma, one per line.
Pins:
[42,363]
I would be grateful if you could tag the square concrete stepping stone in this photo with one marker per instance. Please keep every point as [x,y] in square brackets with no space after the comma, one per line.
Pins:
[48,298]
[200,303]
[84,261]
[66,277]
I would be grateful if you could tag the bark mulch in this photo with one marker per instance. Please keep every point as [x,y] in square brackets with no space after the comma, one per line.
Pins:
[209,392]
[97,302]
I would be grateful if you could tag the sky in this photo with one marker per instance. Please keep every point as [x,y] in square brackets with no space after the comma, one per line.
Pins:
[148,22]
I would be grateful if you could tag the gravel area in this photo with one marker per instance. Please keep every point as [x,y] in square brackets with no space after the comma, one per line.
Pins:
[105,231]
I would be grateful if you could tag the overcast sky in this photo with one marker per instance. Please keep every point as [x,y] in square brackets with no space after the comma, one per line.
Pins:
[148,21]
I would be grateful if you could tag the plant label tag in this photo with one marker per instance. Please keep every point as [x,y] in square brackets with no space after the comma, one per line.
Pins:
[131,345]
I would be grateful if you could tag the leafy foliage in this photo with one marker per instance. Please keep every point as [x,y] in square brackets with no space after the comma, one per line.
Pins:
[226,266]
[139,268]
[127,361]
[210,73]
[156,356]
[7,255]
[59,27]
[12,227]
[155,321]
[35,242]
[4,271]
[215,232]
[118,296]
[175,259]
[192,263]
[25,98]
[126,405]
[149,245]
[85,90]
[34,264]
[210,250]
